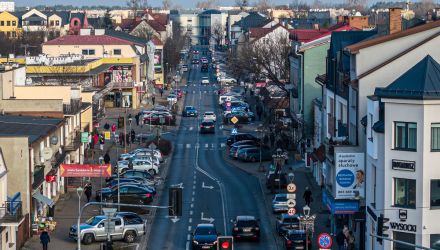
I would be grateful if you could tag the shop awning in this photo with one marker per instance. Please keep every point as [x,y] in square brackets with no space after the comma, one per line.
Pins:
[41,198]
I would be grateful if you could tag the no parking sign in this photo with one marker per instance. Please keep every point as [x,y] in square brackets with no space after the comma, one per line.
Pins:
[325,241]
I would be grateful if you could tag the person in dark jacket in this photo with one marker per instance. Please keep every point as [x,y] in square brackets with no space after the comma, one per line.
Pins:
[88,191]
[137,118]
[44,239]
[340,240]
[127,139]
[307,196]
[133,135]
[106,158]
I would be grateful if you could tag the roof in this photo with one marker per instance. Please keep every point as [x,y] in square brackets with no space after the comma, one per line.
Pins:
[319,154]
[33,18]
[161,18]
[126,36]
[88,40]
[129,24]
[421,82]
[156,25]
[354,49]
[78,15]
[28,126]
[324,38]
[210,12]
[258,33]
[253,20]
[306,35]
[156,41]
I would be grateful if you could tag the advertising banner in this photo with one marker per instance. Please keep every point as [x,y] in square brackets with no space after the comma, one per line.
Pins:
[85,170]
[158,58]
[350,175]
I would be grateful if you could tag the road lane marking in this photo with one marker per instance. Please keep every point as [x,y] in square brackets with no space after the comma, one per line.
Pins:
[194,193]
[192,199]
[189,228]
[191,212]
[190,220]
[187,245]
[192,205]
[188,237]
[212,146]
[191,128]
[222,145]
[206,145]
[188,145]
[194,182]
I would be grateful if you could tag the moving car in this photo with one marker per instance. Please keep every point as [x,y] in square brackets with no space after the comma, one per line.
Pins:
[172,98]
[207,126]
[128,226]
[296,239]
[209,115]
[240,137]
[205,237]
[246,227]
[252,154]
[205,80]
[204,67]
[275,180]
[286,222]
[189,111]
[195,61]
[279,203]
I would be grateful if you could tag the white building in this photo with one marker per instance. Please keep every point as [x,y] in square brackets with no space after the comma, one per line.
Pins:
[404,181]
[7,6]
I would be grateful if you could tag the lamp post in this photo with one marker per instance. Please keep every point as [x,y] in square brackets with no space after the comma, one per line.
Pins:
[260,129]
[79,192]
[307,223]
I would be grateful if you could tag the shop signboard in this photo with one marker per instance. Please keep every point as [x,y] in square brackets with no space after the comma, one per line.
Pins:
[85,137]
[350,175]
[339,206]
[86,170]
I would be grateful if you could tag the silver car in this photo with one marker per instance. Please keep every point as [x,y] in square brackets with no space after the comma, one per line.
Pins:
[279,203]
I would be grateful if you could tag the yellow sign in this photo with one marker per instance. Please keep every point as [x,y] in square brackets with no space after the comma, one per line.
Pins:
[234,120]
[107,135]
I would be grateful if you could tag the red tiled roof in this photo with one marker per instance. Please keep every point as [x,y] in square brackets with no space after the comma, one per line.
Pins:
[259,32]
[160,18]
[129,24]
[87,40]
[156,25]
[306,35]
[156,41]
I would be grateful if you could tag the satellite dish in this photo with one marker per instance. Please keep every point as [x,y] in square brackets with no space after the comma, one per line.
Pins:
[47,154]
[54,140]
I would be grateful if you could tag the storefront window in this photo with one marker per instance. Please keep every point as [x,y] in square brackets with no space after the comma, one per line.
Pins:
[435,193]
[405,136]
[435,241]
[404,193]
[406,237]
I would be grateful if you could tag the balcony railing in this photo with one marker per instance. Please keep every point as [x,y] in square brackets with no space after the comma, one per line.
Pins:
[73,108]
[38,176]
[73,142]
[117,85]
[11,211]
[58,159]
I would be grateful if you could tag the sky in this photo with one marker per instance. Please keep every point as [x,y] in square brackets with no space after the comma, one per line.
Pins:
[154,3]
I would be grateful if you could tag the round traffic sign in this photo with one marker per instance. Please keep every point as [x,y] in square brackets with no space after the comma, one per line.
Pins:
[225,245]
[291,203]
[291,188]
[291,211]
[325,241]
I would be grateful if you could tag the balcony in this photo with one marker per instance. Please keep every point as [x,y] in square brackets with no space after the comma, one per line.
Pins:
[118,85]
[11,212]
[58,159]
[73,142]
[73,108]
[38,176]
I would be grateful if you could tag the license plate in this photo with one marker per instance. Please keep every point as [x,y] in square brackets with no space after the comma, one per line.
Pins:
[246,230]
[299,247]
[206,247]
[277,179]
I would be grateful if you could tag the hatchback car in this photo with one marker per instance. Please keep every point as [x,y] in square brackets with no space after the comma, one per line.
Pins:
[246,227]
[241,137]
[205,81]
[286,222]
[279,203]
[204,237]
[172,98]
[254,154]
[207,127]
[189,111]
[128,193]
[296,239]
[209,116]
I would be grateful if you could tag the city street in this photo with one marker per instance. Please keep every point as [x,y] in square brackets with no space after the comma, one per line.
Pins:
[214,191]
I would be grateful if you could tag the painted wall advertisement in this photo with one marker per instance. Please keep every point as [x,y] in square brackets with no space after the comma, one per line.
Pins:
[350,175]
[158,59]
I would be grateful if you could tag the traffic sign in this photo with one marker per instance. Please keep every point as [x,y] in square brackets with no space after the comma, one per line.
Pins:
[291,203]
[291,196]
[291,211]
[234,120]
[325,241]
[107,135]
[84,137]
[291,188]
[234,131]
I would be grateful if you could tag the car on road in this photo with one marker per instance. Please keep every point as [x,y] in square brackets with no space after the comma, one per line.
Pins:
[241,115]
[189,111]
[205,237]
[209,115]
[172,98]
[129,193]
[207,127]
[253,154]
[204,60]
[205,80]
[286,222]
[296,239]
[195,51]
[279,203]
[195,61]
[204,68]
[128,226]
[240,137]
[233,151]
[275,180]
[246,227]
[184,68]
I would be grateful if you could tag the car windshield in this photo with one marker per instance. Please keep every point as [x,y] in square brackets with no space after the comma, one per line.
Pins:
[246,223]
[209,113]
[281,198]
[190,108]
[290,220]
[93,221]
[205,231]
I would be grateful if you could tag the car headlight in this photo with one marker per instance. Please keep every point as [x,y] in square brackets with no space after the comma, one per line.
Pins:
[215,242]
[195,242]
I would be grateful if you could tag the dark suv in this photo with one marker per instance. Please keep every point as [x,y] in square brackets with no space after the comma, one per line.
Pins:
[246,227]
[241,137]
[276,180]
[286,222]
[205,237]
[253,154]
[296,239]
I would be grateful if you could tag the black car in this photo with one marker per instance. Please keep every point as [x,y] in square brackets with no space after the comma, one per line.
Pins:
[275,180]
[130,218]
[195,61]
[240,137]
[207,127]
[245,142]
[205,237]
[132,173]
[286,222]
[246,227]
[189,111]
[241,115]
[296,239]
[128,193]
[204,67]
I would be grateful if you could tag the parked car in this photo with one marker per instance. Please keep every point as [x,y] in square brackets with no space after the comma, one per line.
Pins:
[148,165]
[252,154]
[128,226]
[276,180]
[246,227]
[205,80]
[157,119]
[286,222]
[240,137]
[245,142]
[189,111]
[296,239]
[129,193]
[242,116]
[279,203]
[195,61]
[177,92]
[132,173]
[142,152]
[209,115]
[172,98]
[114,181]
[205,237]
[207,127]
[184,68]
[233,151]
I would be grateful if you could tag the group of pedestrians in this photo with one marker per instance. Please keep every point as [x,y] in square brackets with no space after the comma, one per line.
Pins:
[345,239]
[130,138]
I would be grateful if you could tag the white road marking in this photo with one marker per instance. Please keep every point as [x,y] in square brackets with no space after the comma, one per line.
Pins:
[188,145]
[194,193]
[189,228]
[195,176]
[206,145]
[192,199]
[190,220]
[222,145]
[194,182]
[187,245]
[191,212]
[188,237]
[191,128]
[212,146]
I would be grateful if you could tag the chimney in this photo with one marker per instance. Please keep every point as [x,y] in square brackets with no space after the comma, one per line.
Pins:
[395,20]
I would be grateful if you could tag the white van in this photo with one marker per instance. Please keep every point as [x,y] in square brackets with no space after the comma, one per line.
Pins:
[228,97]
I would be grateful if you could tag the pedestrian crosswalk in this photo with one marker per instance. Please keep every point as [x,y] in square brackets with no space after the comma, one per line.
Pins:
[202,146]
[203,91]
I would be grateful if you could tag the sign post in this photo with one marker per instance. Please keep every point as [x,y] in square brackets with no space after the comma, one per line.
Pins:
[325,241]
[85,137]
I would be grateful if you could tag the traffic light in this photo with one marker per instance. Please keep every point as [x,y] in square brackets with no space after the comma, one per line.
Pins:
[120,122]
[175,201]
[225,243]
[381,229]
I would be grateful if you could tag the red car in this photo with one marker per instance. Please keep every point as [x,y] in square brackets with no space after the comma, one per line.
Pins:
[155,119]
[178,93]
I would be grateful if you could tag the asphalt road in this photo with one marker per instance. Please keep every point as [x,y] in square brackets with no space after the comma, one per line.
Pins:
[213,190]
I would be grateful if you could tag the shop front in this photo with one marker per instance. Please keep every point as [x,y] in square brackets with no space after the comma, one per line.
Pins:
[43,209]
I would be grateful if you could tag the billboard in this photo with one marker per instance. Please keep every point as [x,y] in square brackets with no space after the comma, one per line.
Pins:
[158,58]
[85,170]
[350,175]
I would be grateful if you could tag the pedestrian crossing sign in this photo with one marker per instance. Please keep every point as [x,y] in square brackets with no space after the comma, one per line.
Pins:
[234,131]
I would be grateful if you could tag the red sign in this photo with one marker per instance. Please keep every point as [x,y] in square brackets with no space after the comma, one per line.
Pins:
[325,241]
[85,170]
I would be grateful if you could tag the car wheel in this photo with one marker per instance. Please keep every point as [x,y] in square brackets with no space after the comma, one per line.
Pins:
[152,171]
[88,239]
[129,237]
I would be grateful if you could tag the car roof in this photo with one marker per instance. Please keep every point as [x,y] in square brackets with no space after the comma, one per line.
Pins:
[206,225]
[246,217]
[189,107]
[281,195]
[288,216]
[209,112]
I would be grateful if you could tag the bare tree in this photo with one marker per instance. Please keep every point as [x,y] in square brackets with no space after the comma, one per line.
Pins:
[421,8]
[263,5]
[241,3]
[136,5]
[166,4]
[207,4]
[217,32]
[359,5]
[145,31]
[172,48]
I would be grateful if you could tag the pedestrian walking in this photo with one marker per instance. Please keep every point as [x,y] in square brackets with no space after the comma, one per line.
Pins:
[121,138]
[340,240]
[127,139]
[106,126]
[133,135]
[44,239]
[161,92]
[137,118]
[114,129]
[106,158]
[95,138]
[130,119]
[88,191]
[307,196]
[101,142]
[351,241]
[153,99]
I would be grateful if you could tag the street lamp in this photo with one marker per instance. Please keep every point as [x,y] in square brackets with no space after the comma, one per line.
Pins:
[79,192]
[307,223]
[260,129]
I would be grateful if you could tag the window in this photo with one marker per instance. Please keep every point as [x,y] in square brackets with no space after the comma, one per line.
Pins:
[370,137]
[8,23]
[14,23]
[435,137]
[88,51]
[51,23]
[435,194]
[435,241]
[405,136]
[406,237]
[57,22]
[2,23]
[404,193]
[117,52]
